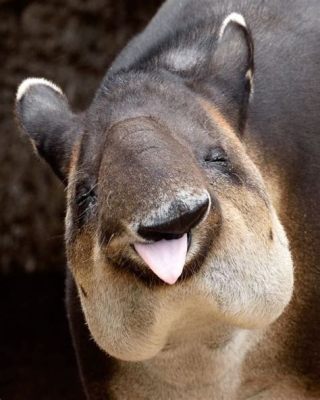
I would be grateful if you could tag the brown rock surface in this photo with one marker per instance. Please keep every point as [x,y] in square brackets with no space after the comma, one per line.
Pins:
[70,42]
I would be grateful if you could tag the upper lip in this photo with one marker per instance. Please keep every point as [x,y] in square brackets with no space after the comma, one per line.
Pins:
[127,260]
[174,236]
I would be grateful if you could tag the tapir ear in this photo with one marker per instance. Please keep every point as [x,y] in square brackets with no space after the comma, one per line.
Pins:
[234,65]
[44,115]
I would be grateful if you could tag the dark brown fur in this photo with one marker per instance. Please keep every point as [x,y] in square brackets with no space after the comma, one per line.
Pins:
[176,116]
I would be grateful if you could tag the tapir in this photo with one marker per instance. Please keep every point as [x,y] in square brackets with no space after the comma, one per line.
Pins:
[193,217]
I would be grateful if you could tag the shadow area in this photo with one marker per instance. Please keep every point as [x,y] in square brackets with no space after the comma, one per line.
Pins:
[37,360]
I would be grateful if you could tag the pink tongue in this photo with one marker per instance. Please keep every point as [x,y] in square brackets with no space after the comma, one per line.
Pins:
[165,258]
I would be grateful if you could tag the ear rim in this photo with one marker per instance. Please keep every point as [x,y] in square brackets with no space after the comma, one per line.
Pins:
[27,83]
[234,17]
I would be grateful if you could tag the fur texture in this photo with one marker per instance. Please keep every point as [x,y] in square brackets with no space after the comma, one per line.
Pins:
[176,119]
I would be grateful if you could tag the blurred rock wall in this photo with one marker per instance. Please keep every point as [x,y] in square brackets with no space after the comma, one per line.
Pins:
[71,42]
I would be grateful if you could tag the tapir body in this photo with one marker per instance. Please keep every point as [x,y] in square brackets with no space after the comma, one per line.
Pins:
[193,222]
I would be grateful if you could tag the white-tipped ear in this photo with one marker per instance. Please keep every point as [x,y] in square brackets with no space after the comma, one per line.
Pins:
[235,18]
[27,83]
[233,65]
[44,114]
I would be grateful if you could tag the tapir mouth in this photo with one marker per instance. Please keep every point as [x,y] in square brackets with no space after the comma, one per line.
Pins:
[167,244]
[166,258]
[146,261]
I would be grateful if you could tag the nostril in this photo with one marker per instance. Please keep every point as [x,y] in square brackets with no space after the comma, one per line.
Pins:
[182,218]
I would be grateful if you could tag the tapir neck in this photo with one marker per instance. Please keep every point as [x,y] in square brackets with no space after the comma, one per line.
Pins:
[205,368]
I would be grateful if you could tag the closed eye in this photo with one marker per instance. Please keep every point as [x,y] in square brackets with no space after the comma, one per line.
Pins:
[85,200]
[216,155]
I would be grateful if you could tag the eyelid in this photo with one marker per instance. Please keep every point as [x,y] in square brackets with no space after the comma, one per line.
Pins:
[216,155]
[84,194]
[85,200]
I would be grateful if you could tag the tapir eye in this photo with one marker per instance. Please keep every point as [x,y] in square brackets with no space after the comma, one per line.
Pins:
[216,155]
[85,200]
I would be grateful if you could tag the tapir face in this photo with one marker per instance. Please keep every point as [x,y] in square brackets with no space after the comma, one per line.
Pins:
[168,219]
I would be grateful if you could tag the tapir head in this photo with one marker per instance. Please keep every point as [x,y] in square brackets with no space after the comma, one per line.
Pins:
[166,211]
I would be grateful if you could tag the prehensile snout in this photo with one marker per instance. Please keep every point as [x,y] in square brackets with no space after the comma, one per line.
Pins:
[166,256]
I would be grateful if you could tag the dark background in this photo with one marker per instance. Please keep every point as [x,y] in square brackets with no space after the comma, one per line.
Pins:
[71,42]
